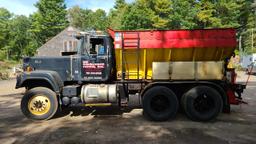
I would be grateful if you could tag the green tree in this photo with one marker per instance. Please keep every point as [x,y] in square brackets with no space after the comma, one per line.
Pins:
[5,17]
[207,14]
[86,19]
[229,11]
[120,4]
[19,36]
[77,17]
[116,14]
[162,10]
[99,20]
[49,20]
[138,16]
[147,14]
[249,34]
[220,14]
[249,29]
[184,14]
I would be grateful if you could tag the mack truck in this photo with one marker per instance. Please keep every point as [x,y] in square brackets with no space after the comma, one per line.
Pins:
[160,71]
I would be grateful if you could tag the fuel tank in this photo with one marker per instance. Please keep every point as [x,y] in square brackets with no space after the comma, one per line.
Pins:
[99,93]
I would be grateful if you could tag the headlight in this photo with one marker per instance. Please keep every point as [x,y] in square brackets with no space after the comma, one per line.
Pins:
[29,69]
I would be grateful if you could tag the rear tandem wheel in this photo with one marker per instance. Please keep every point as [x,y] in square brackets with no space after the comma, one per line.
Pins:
[160,103]
[202,103]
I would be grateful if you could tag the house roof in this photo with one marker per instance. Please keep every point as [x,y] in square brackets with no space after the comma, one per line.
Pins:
[69,28]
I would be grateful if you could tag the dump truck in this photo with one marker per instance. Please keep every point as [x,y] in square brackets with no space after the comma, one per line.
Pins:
[160,71]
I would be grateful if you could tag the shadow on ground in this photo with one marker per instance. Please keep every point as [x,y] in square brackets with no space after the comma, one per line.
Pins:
[114,125]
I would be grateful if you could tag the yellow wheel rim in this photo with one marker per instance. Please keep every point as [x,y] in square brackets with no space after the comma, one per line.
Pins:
[39,105]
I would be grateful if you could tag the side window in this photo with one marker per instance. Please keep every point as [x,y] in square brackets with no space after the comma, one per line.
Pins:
[97,46]
[74,45]
[69,48]
[65,46]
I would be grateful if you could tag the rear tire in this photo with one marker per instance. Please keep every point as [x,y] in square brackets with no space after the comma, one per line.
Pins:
[39,103]
[202,103]
[160,103]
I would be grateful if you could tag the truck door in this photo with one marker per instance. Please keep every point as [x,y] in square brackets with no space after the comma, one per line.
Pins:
[96,67]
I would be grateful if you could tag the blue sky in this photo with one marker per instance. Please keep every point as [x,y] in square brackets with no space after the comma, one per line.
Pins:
[26,7]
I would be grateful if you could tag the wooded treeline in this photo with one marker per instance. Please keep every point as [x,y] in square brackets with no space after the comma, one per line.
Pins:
[21,36]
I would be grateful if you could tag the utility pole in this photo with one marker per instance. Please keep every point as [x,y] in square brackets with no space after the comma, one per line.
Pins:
[241,51]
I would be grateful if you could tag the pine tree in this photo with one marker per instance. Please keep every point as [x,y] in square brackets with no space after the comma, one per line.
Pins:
[49,20]
[138,15]
[147,14]
[19,34]
[184,14]
[249,34]
[76,17]
[99,19]
[247,29]
[162,10]
[120,4]
[228,12]
[5,16]
[207,14]
[116,14]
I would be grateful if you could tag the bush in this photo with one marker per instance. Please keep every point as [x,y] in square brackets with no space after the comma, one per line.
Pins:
[2,55]
[4,76]
[5,69]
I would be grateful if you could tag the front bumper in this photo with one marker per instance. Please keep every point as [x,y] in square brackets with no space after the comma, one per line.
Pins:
[18,81]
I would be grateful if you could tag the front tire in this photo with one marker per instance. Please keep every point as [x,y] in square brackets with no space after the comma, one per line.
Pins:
[39,103]
[202,103]
[160,103]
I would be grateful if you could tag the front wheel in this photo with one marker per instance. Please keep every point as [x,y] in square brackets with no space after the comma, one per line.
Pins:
[39,103]
[160,103]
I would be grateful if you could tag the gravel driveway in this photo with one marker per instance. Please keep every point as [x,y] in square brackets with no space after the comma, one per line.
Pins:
[110,125]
